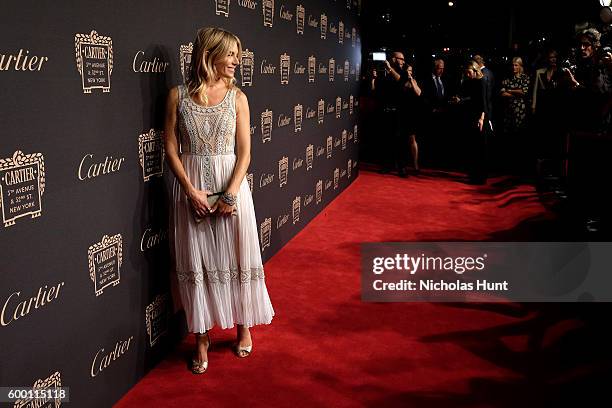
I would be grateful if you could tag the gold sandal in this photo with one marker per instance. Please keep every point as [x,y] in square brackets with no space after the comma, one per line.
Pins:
[200,367]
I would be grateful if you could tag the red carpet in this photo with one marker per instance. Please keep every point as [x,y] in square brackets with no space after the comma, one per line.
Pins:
[327,348]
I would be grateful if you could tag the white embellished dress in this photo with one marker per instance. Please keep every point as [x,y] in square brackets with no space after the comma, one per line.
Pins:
[218,261]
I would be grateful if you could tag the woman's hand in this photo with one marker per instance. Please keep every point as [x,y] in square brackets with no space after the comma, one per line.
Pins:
[222,208]
[199,202]
[480,124]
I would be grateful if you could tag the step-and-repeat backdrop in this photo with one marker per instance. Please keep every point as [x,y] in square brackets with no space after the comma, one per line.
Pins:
[85,275]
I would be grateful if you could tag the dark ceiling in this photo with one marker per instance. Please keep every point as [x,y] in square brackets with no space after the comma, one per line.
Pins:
[471,24]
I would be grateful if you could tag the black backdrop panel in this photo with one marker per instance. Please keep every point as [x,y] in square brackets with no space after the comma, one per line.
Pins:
[85,284]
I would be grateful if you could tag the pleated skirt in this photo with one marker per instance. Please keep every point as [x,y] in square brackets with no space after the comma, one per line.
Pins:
[218,261]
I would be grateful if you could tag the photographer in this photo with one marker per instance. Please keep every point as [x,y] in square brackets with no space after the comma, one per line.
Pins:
[589,136]
[389,87]
[591,83]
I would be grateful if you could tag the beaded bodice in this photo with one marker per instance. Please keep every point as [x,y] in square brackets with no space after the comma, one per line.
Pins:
[207,130]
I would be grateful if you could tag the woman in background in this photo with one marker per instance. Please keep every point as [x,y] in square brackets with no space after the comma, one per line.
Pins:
[410,115]
[514,92]
[547,113]
[475,122]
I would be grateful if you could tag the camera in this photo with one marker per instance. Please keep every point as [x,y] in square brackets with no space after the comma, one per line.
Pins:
[568,64]
[378,62]
[379,56]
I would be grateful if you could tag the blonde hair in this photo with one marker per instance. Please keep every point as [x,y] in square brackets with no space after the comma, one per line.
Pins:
[519,61]
[473,65]
[479,60]
[211,45]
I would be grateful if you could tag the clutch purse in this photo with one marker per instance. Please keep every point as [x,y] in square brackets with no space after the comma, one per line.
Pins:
[212,200]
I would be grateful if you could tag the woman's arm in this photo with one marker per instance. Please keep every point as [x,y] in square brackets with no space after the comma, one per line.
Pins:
[481,119]
[412,84]
[196,197]
[243,150]
[479,102]
[504,89]
[516,92]
[523,90]
[536,87]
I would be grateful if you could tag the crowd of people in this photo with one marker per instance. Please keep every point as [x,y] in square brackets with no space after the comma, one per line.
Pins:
[526,123]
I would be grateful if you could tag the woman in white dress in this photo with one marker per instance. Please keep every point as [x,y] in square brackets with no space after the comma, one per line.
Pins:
[215,244]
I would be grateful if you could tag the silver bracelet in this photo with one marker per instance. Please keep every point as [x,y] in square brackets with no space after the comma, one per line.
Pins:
[228,198]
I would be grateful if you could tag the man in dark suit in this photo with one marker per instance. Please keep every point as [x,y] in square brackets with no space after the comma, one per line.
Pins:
[435,89]
[435,93]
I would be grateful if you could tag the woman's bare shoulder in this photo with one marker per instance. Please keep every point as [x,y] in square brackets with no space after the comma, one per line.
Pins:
[239,93]
[241,98]
[174,93]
